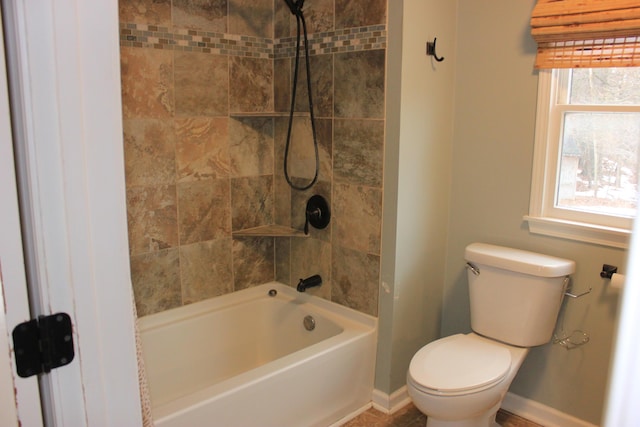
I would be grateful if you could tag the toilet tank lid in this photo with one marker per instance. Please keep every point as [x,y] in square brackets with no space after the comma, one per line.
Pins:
[518,260]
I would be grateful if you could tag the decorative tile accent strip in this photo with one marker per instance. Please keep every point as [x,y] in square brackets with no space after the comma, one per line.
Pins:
[151,36]
[156,37]
[345,40]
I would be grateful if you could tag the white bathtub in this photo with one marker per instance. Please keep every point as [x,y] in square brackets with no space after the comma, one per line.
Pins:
[245,359]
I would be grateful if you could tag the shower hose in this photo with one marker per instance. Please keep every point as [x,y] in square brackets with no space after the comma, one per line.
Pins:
[296,9]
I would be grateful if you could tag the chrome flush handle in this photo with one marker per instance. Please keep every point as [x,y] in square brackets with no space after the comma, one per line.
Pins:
[475,270]
[567,285]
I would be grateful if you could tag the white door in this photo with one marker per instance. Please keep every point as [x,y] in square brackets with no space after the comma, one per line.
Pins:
[65,93]
[24,403]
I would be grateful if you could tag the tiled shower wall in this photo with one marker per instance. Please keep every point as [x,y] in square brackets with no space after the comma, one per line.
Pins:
[196,171]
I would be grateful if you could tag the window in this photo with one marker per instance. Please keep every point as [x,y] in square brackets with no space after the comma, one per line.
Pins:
[586,161]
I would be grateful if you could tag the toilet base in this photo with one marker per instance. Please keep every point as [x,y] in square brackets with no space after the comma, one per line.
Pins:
[466,410]
[486,419]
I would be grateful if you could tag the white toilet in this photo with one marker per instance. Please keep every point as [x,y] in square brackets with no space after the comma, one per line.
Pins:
[515,297]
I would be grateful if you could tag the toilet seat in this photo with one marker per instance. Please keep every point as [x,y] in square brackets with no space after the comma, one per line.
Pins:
[459,364]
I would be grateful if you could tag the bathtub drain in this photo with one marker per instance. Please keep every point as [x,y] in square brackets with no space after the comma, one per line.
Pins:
[309,323]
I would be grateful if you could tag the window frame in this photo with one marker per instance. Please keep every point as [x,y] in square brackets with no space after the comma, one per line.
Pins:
[544,217]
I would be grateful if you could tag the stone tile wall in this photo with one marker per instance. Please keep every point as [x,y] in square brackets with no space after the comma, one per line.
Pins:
[195,172]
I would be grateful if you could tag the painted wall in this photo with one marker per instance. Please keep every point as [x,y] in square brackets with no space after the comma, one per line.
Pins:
[417,182]
[495,105]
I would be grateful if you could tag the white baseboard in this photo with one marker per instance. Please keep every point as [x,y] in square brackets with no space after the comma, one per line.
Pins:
[390,403]
[539,413]
[525,408]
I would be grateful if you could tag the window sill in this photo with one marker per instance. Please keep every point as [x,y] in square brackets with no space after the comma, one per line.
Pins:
[583,232]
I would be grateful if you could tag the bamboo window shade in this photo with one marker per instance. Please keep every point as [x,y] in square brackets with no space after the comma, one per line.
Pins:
[586,33]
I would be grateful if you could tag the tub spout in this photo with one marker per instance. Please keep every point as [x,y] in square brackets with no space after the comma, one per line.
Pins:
[309,282]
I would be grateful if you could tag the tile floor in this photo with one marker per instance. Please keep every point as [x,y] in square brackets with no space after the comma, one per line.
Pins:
[410,416]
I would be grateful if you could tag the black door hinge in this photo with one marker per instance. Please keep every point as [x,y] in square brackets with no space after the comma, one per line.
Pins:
[43,344]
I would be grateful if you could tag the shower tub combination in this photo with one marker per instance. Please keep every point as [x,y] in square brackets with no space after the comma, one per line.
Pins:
[248,358]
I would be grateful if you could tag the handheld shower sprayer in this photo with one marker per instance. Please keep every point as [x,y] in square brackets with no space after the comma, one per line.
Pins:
[292,5]
[295,6]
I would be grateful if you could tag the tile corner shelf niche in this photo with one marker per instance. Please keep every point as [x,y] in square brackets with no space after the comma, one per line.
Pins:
[268,114]
[273,230]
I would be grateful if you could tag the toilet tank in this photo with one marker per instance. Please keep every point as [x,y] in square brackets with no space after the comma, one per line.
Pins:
[515,295]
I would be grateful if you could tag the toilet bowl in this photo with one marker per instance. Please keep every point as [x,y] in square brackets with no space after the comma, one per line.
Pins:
[461,380]
[515,297]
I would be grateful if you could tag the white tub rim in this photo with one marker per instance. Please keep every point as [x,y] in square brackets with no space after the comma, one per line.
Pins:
[156,320]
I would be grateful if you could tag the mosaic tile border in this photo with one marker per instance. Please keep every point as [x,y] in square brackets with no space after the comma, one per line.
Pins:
[151,36]
[344,40]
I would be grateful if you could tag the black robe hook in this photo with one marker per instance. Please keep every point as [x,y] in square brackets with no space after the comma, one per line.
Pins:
[431,50]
